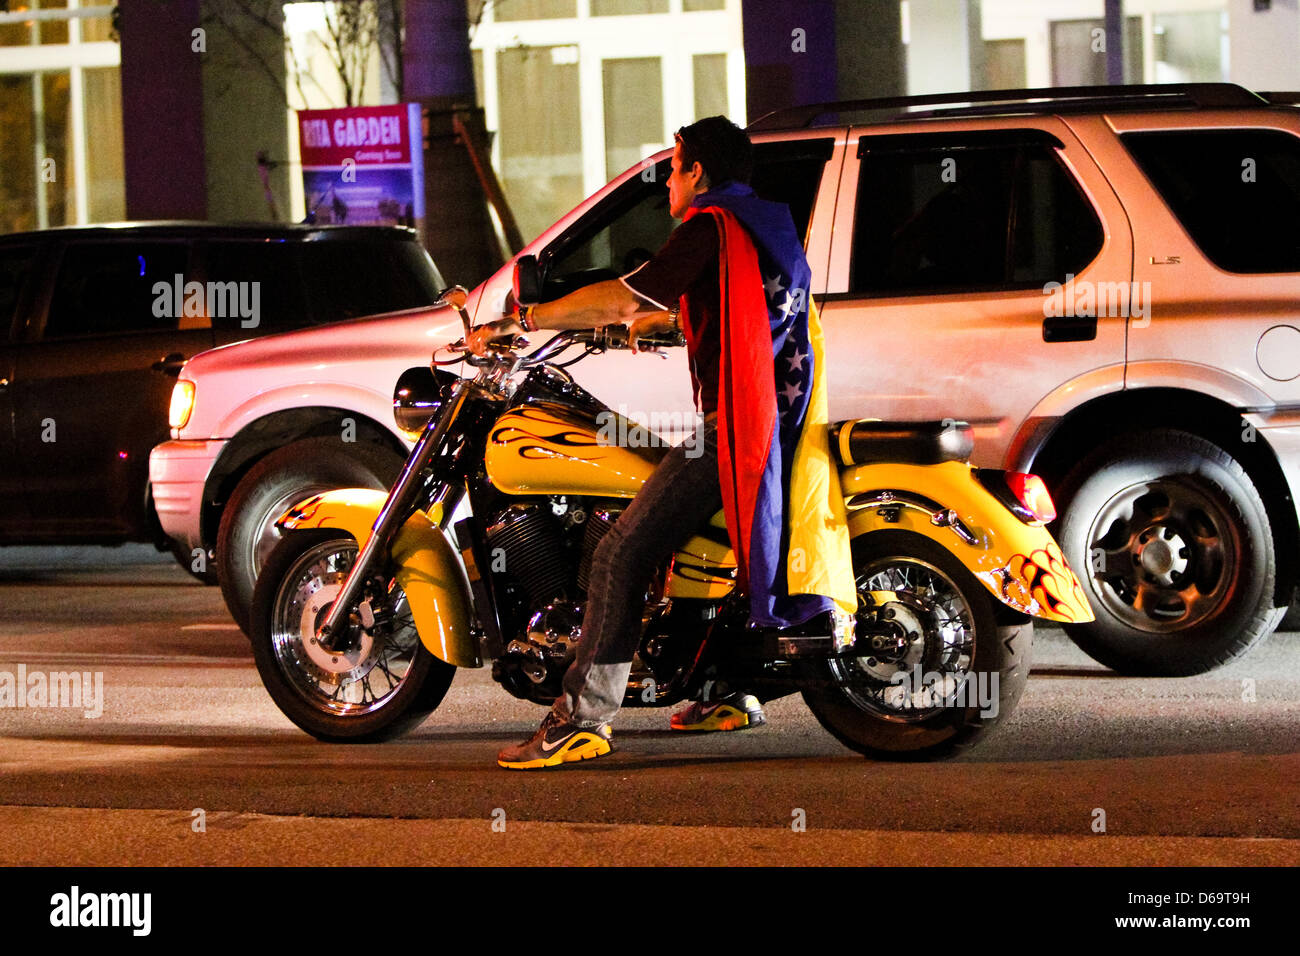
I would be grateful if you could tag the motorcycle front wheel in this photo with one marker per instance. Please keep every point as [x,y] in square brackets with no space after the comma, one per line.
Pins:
[375,691]
[935,667]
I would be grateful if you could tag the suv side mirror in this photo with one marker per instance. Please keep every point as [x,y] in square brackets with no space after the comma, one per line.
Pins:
[527,285]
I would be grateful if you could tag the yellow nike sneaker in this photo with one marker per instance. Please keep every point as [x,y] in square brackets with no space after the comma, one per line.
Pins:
[557,742]
[734,712]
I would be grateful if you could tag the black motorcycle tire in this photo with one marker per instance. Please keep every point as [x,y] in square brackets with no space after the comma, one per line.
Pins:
[1003,645]
[1185,465]
[279,480]
[421,691]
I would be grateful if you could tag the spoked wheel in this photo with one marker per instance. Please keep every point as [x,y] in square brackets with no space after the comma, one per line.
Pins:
[381,687]
[936,665]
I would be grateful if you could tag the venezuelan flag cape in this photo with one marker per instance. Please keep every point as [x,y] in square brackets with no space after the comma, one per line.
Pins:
[780,489]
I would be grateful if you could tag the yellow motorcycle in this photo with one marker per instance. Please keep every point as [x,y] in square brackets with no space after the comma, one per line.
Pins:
[365,609]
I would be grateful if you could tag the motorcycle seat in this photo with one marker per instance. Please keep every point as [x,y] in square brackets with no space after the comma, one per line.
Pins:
[872,442]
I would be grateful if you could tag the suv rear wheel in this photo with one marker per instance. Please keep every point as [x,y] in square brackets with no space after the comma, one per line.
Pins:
[1172,543]
[247,533]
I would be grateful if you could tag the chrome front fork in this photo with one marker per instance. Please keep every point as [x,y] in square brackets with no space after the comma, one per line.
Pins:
[333,631]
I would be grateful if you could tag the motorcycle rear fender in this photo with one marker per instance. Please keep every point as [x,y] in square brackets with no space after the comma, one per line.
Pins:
[429,570]
[1020,564]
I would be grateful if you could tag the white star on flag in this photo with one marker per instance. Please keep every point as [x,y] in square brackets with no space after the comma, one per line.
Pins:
[796,361]
[787,305]
[792,392]
[772,286]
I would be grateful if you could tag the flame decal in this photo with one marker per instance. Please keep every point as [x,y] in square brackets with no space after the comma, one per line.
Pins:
[1045,583]
[565,439]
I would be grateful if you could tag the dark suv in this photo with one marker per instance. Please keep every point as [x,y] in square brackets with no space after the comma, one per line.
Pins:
[96,321]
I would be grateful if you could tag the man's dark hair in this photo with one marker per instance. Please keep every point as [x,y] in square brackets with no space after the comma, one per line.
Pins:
[720,146]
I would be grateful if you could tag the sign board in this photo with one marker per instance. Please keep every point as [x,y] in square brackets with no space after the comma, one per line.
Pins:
[363,165]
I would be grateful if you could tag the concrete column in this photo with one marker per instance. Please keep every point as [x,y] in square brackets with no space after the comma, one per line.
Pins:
[1264,45]
[162,111]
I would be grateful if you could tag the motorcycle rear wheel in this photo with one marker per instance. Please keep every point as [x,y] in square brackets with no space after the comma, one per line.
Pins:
[377,691]
[926,692]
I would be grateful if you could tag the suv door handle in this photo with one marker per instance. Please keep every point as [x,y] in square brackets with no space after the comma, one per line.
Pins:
[1069,328]
[170,363]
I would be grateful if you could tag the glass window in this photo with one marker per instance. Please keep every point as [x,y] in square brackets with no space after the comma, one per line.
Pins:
[613,8]
[53,31]
[534,9]
[710,71]
[15,275]
[107,288]
[634,111]
[55,172]
[259,285]
[1079,54]
[17,149]
[97,28]
[623,232]
[791,172]
[961,217]
[689,6]
[540,133]
[106,171]
[634,223]
[1189,46]
[348,279]
[1004,64]
[1236,192]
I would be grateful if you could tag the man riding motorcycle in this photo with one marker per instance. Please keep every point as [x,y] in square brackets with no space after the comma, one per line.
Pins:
[733,278]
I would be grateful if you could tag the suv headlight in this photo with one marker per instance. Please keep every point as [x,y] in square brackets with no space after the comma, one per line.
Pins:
[178,415]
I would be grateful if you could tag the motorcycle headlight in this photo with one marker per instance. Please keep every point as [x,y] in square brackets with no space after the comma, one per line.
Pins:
[417,397]
[178,415]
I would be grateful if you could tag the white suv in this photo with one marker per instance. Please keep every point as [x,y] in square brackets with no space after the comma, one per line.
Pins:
[1104,282]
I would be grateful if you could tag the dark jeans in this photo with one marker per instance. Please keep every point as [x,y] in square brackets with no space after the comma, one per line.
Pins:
[680,497]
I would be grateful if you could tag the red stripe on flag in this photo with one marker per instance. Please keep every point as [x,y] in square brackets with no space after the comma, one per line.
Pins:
[746,384]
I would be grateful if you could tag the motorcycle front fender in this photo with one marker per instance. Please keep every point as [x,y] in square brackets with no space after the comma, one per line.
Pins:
[1020,564]
[428,568]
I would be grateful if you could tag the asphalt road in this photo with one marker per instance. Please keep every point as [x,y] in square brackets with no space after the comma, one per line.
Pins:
[1192,770]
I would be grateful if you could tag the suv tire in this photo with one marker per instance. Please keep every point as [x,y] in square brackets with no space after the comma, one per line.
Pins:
[247,534]
[1173,545]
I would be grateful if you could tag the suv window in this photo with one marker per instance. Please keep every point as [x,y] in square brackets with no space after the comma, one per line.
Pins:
[1236,192]
[267,291]
[967,211]
[635,223]
[347,279]
[108,287]
[15,276]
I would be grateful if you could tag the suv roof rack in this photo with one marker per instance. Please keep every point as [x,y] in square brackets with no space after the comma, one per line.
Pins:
[1041,100]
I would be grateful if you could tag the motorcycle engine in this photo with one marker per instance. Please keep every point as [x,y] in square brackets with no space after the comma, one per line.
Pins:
[535,547]
[533,666]
[526,542]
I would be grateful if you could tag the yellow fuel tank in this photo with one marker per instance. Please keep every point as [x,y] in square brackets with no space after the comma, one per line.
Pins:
[545,448]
